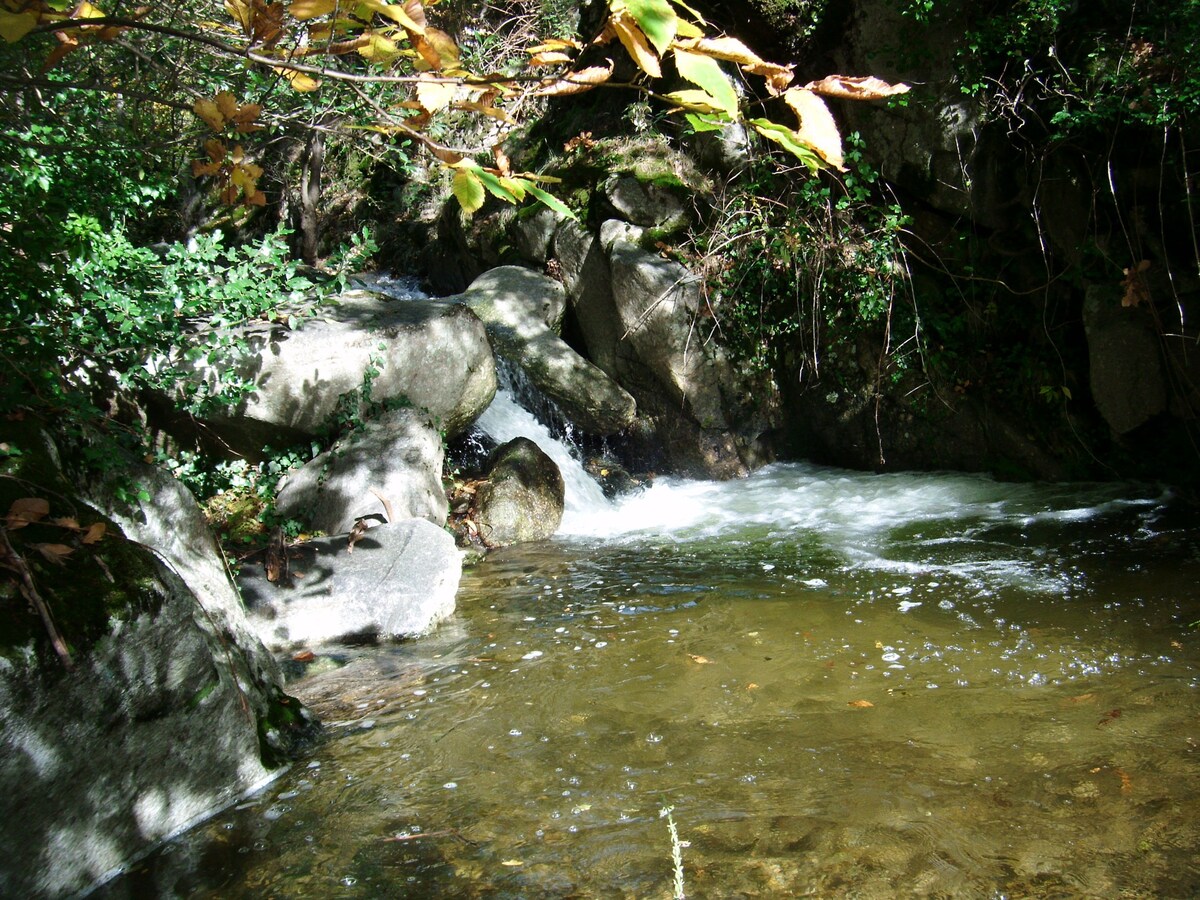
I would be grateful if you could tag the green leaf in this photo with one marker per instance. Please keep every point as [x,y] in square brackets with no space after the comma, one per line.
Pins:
[701,122]
[788,140]
[468,190]
[495,188]
[656,19]
[551,201]
[706,72]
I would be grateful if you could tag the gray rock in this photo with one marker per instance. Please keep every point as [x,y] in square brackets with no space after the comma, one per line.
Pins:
[522,499]
[399,581]
[397,456]
[584,264]
[1126,372]
[534,234]
[157,726]
[429,354]
[644,202]
[516,304]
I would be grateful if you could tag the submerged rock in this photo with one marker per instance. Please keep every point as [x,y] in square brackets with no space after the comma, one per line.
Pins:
[522,498]
[398,581]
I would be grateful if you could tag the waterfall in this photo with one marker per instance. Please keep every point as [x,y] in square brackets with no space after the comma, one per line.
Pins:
[506,419]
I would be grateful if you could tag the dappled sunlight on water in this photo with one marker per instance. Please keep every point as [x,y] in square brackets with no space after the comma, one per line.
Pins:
[845,685]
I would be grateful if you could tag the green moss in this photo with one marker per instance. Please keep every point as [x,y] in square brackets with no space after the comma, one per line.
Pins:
[285,730]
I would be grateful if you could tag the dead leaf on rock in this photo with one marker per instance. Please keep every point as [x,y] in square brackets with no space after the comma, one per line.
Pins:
[55,553]
[94,533]
[25,511]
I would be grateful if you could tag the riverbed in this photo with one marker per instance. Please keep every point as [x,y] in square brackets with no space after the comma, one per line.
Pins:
[840,684]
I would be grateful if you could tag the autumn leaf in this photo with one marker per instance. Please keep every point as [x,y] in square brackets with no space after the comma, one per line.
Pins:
[94,533]
[434,95]
[577,82]
[55,553]
[655,18]
[310,9]
[14,26]
[208,111]
[849,87]
[549,58]
[817,128]
[636,45]
[26,511]
[301,82]
[437,50]
[861,704]
[699,660]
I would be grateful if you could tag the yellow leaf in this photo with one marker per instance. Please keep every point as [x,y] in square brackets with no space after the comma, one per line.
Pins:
[817,127]
[396,13]
[699,660]
[200,168]
[243,12]
[210,113]
[512,862]
[777,77]
[310,9]
[468,190]
[549,58]
[726,48]
[300,81]
[848,87]
[227,104]
[435,95]
[697,100]
[861,704]
[636,45]
[706,72]
[555,44]
[87,10]
[14,26]
[378,48]
[25,511]
[437,49]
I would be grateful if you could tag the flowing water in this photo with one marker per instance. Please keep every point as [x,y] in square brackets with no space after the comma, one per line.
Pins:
[843,684]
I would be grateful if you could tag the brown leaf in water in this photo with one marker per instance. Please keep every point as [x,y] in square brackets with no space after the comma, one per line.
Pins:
[304,656]
[861,704]
[1108,717]
[699,660]
[1082,698]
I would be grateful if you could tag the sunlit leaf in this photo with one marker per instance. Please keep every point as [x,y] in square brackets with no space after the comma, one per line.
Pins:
[227,104]
[657,21]
[637,46]
[554,44]
[549,58]
[701,122]
[496,187]
[437,49]
[849,87]
[550,200]
[435,95]
[861,704]
[14,26]
[310,9]
[817,126]
[200,168]
[396,13]
[243,12]
[300,81]
[696,100]
[377,48]
[706,72]
[468,190]
[208,111]
[788,140]
[726,48]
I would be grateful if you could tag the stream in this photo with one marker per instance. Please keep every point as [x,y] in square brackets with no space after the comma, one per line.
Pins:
[841,684]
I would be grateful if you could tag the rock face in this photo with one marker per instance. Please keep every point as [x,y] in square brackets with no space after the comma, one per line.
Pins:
[396,456]
[429,355]
[522,499]
[1129,384]
[520,308]
[172,710]
[399,581]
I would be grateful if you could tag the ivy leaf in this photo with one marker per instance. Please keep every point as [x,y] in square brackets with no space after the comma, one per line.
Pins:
[656,19]
[468,190]
[705,72]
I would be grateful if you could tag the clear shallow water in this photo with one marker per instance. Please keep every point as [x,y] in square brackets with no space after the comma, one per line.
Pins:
[844,684]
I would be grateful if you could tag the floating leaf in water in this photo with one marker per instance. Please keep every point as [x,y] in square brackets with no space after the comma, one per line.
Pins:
[861,704]
[1108,717]
[512,862]
[699,660]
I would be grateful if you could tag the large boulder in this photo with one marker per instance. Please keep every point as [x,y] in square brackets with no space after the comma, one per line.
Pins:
[1125,362]
[520,308]
[398,581]
[522,498]
[396,457]
[171,709]
[366,350]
